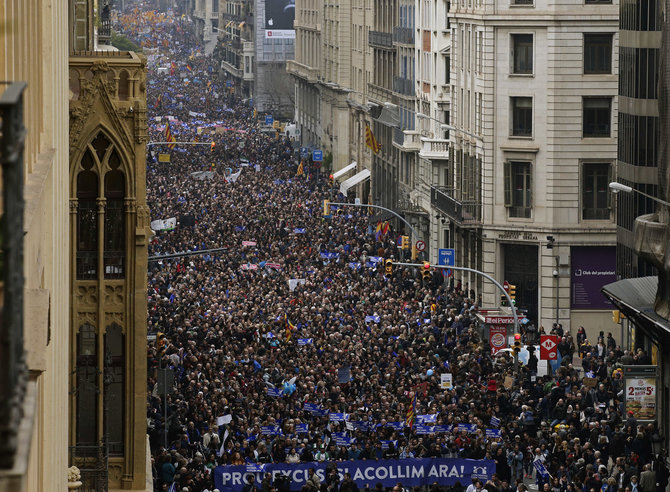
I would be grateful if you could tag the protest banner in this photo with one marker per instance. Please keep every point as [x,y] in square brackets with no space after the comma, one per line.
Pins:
[411,472]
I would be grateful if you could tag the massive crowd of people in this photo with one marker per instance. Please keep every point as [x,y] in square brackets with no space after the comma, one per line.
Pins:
[250,346]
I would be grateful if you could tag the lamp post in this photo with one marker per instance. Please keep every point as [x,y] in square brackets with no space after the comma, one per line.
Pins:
[616,187]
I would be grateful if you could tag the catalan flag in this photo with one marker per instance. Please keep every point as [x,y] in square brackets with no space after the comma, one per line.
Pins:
[158,101]
[411,413]
[371,141]
[169,137]
[301,170]
[290,328]
[173,65]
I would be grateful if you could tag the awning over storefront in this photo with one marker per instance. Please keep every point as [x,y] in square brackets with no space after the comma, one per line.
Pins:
[345,170]
[635,298]
[354,180]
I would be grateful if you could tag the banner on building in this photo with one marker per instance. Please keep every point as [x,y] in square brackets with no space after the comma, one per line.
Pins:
[279,16]
[591,268]
[411,472]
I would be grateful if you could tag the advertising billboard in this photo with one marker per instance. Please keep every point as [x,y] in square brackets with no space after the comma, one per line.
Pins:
[640,389]
[591,267]
[279,16]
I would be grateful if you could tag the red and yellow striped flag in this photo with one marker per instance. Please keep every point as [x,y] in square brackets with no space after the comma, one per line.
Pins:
[371,141]
[411,411]
[301,170]
[169,137]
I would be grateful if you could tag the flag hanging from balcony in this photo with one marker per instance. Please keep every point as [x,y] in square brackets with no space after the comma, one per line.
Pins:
[371,141]
[169,137]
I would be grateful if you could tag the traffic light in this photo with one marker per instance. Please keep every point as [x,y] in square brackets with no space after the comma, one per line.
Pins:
[212,146]
[512,293]
[503,300]
[326,208]
[427,276]
[404,242]
[388,267]
[331,180]
[617,316]
[517,344]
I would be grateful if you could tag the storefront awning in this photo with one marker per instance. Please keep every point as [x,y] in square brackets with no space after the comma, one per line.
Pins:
[635,298]
[345,170]
[354,180]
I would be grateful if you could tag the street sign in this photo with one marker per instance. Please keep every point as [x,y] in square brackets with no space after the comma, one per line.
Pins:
[420,246]
[303,152]
[548,347]
[446,256]
[317,155]
[269,119]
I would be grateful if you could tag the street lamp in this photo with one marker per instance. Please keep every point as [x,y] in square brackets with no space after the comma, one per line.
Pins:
[616,187]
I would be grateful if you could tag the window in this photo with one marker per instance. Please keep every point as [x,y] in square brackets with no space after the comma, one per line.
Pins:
[87,220]
[522,2]
[518,191]
[114,362]
[598,53]
[595,190]
[597,1]
[522,116]
[87,387]
[597,117]
[522,53]
[114,219]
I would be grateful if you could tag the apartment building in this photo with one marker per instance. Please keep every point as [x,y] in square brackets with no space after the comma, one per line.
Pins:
[206,17]
[236,37]
[534,111]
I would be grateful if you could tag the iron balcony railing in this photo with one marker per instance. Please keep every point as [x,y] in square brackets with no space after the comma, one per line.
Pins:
[92,462]
[462,212]
[13,372]
[403,35]
[380,38]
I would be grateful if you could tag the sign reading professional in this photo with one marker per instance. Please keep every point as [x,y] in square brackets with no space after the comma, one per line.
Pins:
[279,16]
[592,267]
[411,472]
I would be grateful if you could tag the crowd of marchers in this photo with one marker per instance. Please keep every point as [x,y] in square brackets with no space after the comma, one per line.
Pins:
[249,348]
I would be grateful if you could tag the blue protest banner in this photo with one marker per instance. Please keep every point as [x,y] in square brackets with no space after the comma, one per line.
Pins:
[385,444]
[495,422]
[275,392]
[411,472]
[299,230]
[426,419]
[344,374]
[541,469]
[302,428]
[338,417]
[305,341]
[469,428]
[423,429]
[493,433]
[442,429]
[270,430]
[396,425]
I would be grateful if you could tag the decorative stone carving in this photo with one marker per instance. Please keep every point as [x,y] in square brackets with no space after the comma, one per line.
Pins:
[114,317]
[113,294]
[73,478]
[115,473]
[87,295]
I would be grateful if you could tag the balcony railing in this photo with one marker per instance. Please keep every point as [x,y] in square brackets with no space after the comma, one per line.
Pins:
[398,136]
[380,38]
[13,373]
[462,212]
[403,86]
[403,35]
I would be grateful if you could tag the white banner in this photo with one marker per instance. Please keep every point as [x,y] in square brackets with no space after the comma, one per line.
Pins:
[163,225]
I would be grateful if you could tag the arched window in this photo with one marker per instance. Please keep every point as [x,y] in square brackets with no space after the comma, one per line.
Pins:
[115,248]
[123,86]
[87,386]
[114,392]
[87,220]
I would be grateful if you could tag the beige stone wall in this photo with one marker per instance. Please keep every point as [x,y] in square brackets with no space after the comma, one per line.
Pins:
[34,49]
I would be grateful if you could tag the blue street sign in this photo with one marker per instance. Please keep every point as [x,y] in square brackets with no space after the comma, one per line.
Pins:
[317,155]
[447,257]
[303,152]
[269,119]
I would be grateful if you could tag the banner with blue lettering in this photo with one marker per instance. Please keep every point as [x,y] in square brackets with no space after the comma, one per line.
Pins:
[411,472]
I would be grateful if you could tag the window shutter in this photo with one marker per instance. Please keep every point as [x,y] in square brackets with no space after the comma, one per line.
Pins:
[530,185]
[508,183]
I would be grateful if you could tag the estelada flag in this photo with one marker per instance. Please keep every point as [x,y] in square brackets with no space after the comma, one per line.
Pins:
[169,137]
[371,141]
